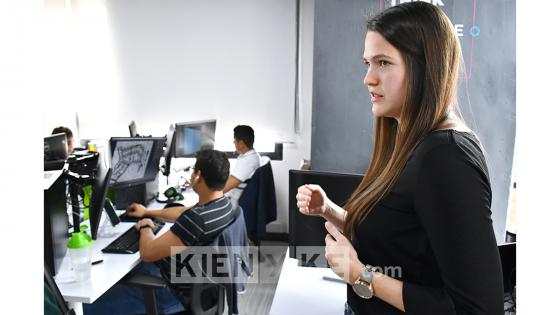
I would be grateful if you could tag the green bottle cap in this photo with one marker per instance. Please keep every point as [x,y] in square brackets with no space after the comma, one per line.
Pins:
[79,240]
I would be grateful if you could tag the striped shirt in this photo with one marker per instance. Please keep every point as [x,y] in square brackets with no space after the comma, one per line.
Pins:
[199,226]
[202,223]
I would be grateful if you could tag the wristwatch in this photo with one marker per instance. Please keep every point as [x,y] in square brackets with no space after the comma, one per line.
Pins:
[364,285]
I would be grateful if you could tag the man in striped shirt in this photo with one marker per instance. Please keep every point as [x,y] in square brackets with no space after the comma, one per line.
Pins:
[198,225]
[195,226]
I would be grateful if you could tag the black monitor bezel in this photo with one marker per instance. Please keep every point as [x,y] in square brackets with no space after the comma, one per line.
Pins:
[188,124]
[98,195]
[169,150]
[132,129]
[306,230]
[154,159]
[60,146]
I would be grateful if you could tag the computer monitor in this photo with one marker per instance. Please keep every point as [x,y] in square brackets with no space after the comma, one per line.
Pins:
[191,137]
[135,160]
[132,129]
[169,146]
[309,230]
[55,147]
[55,220]
[98,201]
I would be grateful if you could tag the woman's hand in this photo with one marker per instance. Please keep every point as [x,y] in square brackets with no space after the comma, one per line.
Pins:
[311,200]
[341,255]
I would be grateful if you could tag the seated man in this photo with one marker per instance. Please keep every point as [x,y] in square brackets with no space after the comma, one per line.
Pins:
[193,226]
[247,163]
[69,137]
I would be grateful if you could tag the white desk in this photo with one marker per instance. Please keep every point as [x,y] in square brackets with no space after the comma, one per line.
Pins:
[103,275]
[106,274]
[302,290]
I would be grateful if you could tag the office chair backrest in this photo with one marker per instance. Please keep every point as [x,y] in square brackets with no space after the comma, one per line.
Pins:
[258,201]
[210,298]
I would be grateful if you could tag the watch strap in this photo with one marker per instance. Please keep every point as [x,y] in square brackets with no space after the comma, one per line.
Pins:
[145,226]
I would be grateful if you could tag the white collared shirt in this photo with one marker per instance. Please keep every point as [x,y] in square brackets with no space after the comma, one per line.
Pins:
[245,166]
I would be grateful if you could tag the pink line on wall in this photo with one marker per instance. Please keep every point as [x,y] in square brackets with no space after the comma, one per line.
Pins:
[469,74]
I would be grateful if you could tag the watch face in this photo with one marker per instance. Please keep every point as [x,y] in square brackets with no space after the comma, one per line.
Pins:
[362,290]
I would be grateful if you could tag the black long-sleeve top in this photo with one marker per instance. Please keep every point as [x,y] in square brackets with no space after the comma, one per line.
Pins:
[435,225]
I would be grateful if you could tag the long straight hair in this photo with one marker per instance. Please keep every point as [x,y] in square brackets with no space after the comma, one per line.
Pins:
[427,41]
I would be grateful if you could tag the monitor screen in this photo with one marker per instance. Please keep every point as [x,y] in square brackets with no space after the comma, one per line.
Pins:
[55,147]
[192,137]
[135,160]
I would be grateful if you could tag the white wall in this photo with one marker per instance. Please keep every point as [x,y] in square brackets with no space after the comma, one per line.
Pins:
[176,61]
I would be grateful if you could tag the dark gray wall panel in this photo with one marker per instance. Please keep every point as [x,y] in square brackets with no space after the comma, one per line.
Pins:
[342,119]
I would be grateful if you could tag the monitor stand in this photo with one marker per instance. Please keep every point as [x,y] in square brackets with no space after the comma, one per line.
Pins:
[109,219]
[140,193]
[106,229]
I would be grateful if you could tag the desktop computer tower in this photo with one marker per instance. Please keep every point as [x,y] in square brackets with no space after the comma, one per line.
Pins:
[55,220]
[140,193]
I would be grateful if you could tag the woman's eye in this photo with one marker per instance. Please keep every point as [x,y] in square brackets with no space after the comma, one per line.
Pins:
[383,63]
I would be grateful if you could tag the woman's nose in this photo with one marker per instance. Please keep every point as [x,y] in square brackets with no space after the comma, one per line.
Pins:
[371,78]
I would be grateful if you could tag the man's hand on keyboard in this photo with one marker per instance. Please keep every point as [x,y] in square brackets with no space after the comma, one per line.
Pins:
[143,222]
[136,210]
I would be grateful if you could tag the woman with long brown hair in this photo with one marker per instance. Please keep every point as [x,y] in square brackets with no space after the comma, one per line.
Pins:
[416,235]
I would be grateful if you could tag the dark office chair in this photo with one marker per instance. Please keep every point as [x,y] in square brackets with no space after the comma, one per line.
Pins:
[201,298]
[258,201]
[54,302]
[197,298]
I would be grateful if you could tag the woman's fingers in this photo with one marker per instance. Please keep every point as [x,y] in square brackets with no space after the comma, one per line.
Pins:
[333,231]
[329,240]
[303,198]
[303,201]
[304,190]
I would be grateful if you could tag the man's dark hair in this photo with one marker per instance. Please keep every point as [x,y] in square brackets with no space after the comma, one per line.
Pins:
[214,168]
[245,133]
[62,129]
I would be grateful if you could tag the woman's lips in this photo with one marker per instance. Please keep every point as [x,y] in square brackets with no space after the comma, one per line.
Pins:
[375,97]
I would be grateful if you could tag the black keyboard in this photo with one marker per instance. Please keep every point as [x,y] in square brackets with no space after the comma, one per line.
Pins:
[129,242]
[124,218]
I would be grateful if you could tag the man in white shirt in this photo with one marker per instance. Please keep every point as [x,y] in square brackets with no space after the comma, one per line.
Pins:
[247,163]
